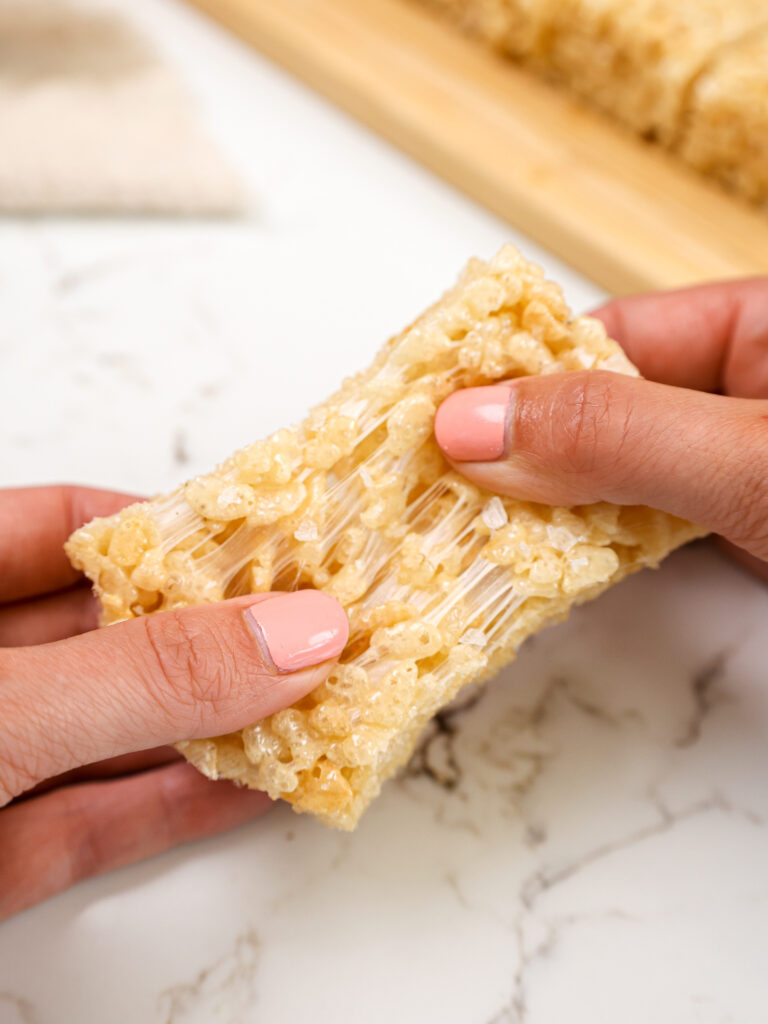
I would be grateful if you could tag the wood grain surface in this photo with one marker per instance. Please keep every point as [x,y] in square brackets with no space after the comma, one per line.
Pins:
[622,211]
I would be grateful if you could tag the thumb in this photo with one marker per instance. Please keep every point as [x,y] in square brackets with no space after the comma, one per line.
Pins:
[176,675]
[577,438]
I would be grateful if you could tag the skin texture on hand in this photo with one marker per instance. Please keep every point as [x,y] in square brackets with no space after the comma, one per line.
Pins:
[87,783]
[691,439]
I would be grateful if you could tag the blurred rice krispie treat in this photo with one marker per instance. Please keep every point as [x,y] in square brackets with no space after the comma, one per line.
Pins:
[515,27]
[725,132]
[637,60]
[664,68]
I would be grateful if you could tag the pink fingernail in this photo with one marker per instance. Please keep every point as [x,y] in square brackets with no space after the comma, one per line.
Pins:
[299,629]
[471,425]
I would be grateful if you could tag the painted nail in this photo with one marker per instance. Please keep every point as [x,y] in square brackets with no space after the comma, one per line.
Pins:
[471,425]
[299,629]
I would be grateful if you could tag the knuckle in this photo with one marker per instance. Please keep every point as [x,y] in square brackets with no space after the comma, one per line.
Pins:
[69,497]
[22,758]
[84,846]
[15,777]
[594,422]
[745,507]
[190,667]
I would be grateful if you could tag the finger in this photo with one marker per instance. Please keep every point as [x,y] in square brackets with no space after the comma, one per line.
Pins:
[53,841]
[34,524]
[756,566]
[176,675]
[42,620]
[712,337]
[111,768]
[577,438]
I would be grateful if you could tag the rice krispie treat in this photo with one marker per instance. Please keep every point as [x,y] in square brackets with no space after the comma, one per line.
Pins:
[638,60]
[726,128]
[441,581]
[668,69]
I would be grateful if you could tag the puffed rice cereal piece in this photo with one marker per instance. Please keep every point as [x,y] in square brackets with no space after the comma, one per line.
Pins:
[441,580]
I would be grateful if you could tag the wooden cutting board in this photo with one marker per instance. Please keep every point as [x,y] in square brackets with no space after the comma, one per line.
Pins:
[620,210]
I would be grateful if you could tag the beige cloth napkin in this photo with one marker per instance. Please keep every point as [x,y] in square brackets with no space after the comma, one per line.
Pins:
[92,121]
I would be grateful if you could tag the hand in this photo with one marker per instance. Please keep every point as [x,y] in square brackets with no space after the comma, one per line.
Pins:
[101,699]
[691,440]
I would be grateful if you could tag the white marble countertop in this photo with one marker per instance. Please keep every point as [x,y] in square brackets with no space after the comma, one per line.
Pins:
[585,841]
